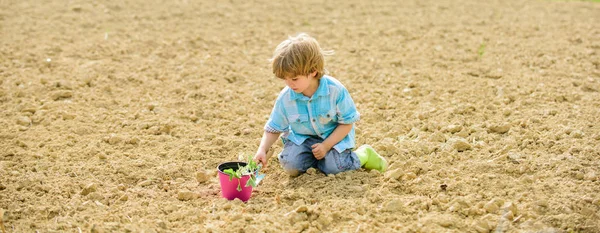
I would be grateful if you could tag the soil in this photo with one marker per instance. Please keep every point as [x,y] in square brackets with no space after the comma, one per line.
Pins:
[115,115]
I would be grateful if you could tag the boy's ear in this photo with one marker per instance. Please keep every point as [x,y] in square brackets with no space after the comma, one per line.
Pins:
[313,74]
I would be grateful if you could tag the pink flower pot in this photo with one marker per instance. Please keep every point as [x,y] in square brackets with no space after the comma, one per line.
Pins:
[229,187]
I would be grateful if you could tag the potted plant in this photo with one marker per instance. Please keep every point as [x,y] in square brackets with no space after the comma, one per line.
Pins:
[238,178]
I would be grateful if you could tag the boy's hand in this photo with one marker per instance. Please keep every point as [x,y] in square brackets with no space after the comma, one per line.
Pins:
[261,157]
[320,150]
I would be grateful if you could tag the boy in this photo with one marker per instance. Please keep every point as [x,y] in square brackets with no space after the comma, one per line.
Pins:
[316,114]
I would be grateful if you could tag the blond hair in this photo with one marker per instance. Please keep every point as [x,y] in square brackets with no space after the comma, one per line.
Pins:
[299,55]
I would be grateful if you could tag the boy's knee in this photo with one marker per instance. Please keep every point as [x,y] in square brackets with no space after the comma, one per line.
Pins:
[291,166]
[335,163]
[330,169]
[292,172]
[330,165]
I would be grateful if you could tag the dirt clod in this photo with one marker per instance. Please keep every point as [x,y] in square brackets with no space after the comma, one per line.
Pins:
[92,187]
[202,176]
[185,195]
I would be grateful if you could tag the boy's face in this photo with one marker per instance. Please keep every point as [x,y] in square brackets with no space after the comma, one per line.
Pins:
[299,83]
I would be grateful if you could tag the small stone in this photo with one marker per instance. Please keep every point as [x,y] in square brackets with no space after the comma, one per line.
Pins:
[482,226]
[498,201]
[577,134]
[410,175]
[463,202]
[145,183]
[445,221]
[442,199]
[202,176]
[509,206]
[68,116]
[114,139]
[437,137]
[393,206]
[75,9]
[247,131]
[96,229]
[491,207]
[473,211]
[227,206]
[502,128]
[454,128]
[542,203]
[311,171]
[184,195]
[394,174]
[133,141]
[455,207]
[348,178]
[151,106]
[24,121]
[89,189]
[508,215]
[57,95]
[463,133]
[31,109]
[162,224]
[301,209]
[95,196]
[459,144]
[324,220]
[591,176]
[374,173]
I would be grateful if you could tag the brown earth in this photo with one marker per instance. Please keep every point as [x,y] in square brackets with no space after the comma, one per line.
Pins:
[113,112]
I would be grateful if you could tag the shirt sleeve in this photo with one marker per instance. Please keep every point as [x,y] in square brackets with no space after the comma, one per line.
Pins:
[346,110]
[277,122]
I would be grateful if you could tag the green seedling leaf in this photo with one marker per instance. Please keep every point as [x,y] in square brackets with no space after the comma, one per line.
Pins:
[231,173]
[251,182]
[239,187]
[481,50]
[251,163]
[256,177]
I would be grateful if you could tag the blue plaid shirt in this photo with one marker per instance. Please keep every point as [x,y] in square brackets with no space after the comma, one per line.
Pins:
[301,117]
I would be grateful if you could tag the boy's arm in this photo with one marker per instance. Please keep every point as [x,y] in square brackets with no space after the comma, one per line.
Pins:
[276,124]
[266,142]
[321,149]
[337,135]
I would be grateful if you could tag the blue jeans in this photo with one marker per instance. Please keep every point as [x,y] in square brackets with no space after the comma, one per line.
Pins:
[296,159]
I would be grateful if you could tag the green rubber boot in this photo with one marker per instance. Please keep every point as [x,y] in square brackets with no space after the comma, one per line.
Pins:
[369,159]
